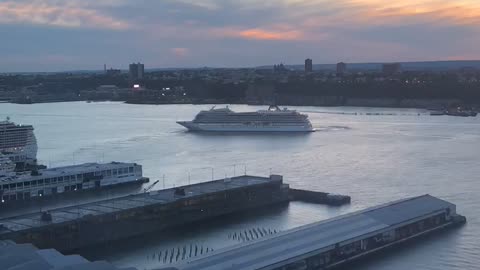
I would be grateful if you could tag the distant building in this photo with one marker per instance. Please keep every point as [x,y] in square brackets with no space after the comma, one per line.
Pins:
[113,72]
[279,68]
[136,71]
[341,68]
[391,68]
[308,65]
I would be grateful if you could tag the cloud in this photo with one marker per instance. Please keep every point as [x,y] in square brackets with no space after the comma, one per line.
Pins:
[180,52]
[205,4]
[257,34]
[361,13]
[261,34]
[236,32]
[59,15]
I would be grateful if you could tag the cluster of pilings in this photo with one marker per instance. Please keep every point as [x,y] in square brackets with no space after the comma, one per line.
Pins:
[176,254]
[251,234]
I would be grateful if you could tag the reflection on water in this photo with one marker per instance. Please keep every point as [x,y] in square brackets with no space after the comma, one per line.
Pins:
[374,155]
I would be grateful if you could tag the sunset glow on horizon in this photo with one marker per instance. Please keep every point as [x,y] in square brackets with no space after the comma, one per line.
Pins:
[82,34]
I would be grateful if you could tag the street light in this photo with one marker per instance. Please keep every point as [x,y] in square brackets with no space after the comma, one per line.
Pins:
[244,167]
[40,202]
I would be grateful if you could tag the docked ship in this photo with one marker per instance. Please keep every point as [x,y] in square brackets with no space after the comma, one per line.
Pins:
[18,143]
[16,186]
[272,120]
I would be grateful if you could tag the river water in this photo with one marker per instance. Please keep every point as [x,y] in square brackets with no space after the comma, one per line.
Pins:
[375,155]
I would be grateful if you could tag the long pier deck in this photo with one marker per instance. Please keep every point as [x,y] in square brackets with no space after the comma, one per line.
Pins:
[99,222]
[329,243]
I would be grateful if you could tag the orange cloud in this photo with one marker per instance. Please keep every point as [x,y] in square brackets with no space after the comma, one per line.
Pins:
[269,35]
[380,12]
[440,11]
[45,13]
[180,52]
[258,34]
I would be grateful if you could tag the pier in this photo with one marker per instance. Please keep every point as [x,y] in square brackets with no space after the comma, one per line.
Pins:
[322,245]
[318,197]
[70,228]
[337,241]
[27,257]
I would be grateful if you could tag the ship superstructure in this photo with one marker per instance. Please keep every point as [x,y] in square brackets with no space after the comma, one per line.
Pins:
[18,143]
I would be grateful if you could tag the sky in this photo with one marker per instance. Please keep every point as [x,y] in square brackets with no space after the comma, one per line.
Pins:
[58,35]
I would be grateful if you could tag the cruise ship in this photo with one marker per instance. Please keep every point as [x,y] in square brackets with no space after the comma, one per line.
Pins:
[18,143]
[46,182]
[272,120]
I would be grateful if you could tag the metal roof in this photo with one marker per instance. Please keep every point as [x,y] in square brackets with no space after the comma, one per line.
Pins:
[166,196]
[290,244]
[65,171]
[27,257]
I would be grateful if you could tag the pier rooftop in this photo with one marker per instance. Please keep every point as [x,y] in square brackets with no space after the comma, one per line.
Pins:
[280,250]
[27,257]
[70,170]
[113,206]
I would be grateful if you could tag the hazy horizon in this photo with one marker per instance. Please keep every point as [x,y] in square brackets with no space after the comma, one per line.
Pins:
[125,67]
[55,36]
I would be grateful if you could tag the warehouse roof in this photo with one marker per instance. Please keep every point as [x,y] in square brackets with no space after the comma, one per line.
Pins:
[317,236]
[66,214]
[28,257]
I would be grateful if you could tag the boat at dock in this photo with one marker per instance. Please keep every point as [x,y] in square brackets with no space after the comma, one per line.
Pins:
[23,186]
[455,112]
[272,120]
[462,113]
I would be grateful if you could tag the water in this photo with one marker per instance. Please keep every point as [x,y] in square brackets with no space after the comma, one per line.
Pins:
[373,158]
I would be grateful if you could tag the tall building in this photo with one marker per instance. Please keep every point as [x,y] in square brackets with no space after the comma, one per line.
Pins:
[308,65]
[279,68]
[136,71]
[391,68]
[341,68]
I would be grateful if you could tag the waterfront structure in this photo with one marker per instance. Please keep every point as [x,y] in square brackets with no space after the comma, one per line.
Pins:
[113,72]
[333,242]
[391,68]
[7,167]
[341,68]
[18,143]
[28,257]
[69,228]
[46,182]
[272,120]
[308,65]
[136,71]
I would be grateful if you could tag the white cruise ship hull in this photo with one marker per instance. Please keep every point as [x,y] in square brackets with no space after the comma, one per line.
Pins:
[191,126]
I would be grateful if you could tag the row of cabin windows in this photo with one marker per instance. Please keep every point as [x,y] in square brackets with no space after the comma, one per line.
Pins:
[114,172]
[18,158]
[39,193]
[79,177]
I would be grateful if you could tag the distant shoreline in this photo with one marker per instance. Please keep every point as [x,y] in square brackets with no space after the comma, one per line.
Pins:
[427,104]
